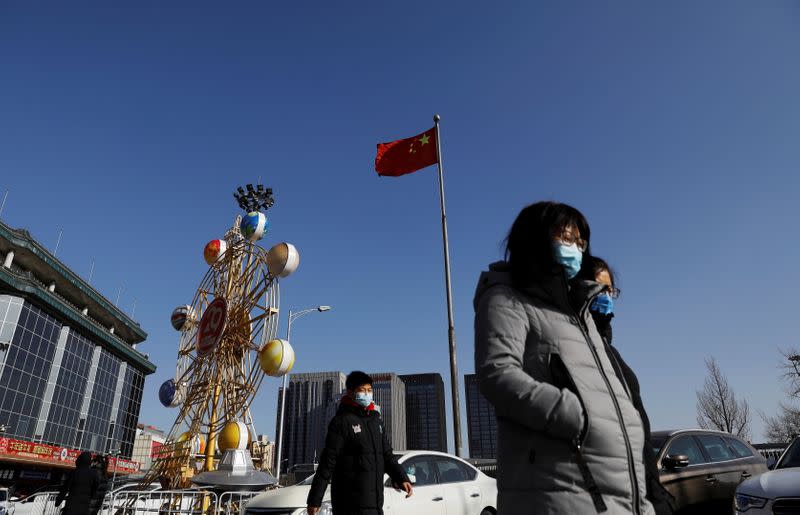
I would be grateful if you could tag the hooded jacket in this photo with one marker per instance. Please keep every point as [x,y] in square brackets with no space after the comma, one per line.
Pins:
[569,438]
[357,453]
[80,487]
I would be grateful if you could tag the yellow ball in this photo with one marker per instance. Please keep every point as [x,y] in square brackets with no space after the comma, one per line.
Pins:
[234,435]
[198,443]
[276,358]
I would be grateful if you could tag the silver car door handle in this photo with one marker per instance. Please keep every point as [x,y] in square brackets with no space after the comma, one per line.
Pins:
[711,479]
[438,498]
[475,495]
[746,474]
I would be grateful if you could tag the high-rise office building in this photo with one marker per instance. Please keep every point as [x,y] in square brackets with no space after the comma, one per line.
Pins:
[389,392]
[311,402]
[71,377]
[481,421]
[425,415]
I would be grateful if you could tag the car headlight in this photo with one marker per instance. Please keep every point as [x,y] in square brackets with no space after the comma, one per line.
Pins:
[745,502]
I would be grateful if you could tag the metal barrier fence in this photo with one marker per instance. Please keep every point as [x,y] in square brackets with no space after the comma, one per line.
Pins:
[163,502]
[42,504]
[233,503]
[157,502]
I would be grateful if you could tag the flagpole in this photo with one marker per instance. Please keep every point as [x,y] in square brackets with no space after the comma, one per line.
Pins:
[451,331]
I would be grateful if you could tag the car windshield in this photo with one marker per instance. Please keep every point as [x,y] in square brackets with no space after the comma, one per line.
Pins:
[3,495]
[657,443]
[791,458]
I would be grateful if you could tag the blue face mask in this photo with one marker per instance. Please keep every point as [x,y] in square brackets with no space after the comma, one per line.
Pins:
[568,256]
[603,304]
[363,399]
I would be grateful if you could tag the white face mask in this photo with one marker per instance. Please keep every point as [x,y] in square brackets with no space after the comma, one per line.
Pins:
[363,399]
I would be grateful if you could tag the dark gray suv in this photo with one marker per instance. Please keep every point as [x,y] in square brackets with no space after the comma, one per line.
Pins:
[702,468]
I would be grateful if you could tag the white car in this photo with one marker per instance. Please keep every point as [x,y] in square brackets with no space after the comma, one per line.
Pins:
[776,491]
[443,485]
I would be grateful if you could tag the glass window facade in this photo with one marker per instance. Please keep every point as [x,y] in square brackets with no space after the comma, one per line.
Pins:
[96,430]
[425,417]
[128,413]
[69,391]
[482,424]
[27,365]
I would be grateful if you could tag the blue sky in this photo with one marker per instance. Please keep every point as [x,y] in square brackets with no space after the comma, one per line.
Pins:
[674,128]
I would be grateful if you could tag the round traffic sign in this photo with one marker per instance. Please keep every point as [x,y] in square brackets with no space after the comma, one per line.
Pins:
[212,325]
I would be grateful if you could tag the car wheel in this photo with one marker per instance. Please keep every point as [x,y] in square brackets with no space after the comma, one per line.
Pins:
[487,511]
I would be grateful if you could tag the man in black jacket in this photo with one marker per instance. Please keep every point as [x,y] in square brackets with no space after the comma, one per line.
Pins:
[80,487]
[357,453]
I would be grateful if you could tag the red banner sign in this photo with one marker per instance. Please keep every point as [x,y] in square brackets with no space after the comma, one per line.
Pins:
[50,454]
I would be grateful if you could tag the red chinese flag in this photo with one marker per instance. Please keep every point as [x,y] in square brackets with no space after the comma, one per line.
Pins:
[407,155]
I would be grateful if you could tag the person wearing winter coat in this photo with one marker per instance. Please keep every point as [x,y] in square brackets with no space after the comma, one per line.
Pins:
[569,439]
[100,465]
[356,455]
[595,270]
[79,488]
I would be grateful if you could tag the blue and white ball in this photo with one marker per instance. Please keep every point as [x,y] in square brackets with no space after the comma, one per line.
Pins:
[166,394]
[254,225]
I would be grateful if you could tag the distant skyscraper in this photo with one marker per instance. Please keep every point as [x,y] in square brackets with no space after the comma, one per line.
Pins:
[390,394]
[482,424]
[425,418]
[311,402]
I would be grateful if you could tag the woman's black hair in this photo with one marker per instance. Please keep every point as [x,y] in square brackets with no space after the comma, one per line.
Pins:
[529,245]
[593,265]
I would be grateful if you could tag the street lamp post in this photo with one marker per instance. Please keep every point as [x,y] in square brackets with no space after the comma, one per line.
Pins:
[292,317]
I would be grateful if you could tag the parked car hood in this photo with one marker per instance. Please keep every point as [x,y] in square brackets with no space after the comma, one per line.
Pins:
[772,484]
[289,497]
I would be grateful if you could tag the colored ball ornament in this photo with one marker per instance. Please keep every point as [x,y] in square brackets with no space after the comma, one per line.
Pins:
[234,435]
[166,394]
[283,259]
[276,358]
[214,250]
[170,394]
[254,225]
[197,445]
[180,316]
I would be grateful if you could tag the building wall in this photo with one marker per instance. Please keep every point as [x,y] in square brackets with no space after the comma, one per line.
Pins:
[57,386]
[311,402]
[425,412]
[144,445]
[265,451]
[388,391]
[65,405]
[26,368]
[481,421]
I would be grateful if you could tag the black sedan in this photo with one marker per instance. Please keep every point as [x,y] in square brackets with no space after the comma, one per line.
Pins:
[702,468]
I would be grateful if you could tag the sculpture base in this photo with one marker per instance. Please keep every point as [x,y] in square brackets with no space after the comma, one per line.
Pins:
[235,472]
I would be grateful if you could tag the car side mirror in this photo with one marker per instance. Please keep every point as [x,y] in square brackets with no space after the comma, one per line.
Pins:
[676,461]
[412,478]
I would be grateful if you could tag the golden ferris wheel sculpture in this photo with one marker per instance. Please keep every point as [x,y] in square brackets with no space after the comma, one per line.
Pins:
[227,345]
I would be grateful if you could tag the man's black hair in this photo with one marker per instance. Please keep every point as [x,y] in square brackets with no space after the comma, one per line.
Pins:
[357,378]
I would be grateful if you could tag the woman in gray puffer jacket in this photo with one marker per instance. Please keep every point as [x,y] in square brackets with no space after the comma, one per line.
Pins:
[569,439]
